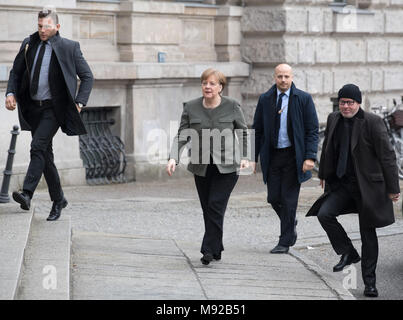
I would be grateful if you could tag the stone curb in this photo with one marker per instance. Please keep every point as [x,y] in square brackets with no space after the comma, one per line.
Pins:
[334,285]
[46,269]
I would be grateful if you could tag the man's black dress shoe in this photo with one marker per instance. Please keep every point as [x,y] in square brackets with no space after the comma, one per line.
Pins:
[347,259]
[23,199]
[279,249]
[57,209]
[370,291]
[207,258]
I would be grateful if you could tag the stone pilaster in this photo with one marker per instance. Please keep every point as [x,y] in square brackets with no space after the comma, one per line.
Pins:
[181,31]
[227,27]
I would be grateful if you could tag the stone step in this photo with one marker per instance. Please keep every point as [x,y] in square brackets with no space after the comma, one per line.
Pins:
[14,230]
[46,269]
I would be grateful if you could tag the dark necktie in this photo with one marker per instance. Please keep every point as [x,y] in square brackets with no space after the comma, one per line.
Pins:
[35,78]
[343,150]
[278,119]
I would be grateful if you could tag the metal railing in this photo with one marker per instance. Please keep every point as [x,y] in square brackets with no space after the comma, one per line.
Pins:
[102,152]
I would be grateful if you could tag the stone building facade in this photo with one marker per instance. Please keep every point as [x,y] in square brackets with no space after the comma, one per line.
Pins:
[147,57]
[329,44]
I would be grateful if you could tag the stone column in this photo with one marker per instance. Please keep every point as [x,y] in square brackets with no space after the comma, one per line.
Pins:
[145,28]
[263,26]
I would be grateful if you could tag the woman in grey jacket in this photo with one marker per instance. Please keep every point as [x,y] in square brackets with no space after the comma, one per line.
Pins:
[216,129]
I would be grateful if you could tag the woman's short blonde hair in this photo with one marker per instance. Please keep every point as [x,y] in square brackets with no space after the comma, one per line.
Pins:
[218,74]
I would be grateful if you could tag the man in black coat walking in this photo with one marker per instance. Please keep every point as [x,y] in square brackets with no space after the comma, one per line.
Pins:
[358,165]
[43,81]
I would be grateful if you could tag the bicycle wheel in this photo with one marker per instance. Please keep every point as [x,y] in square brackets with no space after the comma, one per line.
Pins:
[398,147]
[318,154]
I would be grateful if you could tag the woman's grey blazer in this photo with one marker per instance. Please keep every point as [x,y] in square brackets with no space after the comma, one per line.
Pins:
[220,134]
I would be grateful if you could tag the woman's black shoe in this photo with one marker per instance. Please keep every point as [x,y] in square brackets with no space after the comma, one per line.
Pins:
[217,256]
[207,258]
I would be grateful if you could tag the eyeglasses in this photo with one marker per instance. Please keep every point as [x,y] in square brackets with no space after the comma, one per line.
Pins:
[349,103]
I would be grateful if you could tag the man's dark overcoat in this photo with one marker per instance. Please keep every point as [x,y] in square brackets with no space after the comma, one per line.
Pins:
[67,62]
[375,166]
[302,126]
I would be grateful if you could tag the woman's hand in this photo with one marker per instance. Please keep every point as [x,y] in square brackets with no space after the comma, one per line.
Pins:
[253,166]
[171,167]
[244,164]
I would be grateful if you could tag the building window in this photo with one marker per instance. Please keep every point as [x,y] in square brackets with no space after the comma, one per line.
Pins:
[359,4]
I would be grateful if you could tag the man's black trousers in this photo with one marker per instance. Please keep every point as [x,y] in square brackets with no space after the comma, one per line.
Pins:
[340,198]
[44,126]
[283,192]
[214,191]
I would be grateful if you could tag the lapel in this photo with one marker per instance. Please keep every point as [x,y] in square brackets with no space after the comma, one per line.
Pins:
[55,42]
[357,127]
[60,56]
[273,113]
[332,127]
[269,109]
[33,44]
[290,108]
[273,104]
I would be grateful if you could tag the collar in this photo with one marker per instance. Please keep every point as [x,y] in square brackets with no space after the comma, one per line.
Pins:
[287,93]
[55,38]
[358,115]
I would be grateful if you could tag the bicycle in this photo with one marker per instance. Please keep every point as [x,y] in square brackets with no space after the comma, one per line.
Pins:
[393,121]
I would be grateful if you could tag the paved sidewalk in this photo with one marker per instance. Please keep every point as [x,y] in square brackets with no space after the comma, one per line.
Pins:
[142,241]
[108,266]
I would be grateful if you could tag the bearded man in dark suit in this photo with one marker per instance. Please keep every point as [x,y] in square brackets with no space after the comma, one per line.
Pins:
[358,165]
[43,82]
